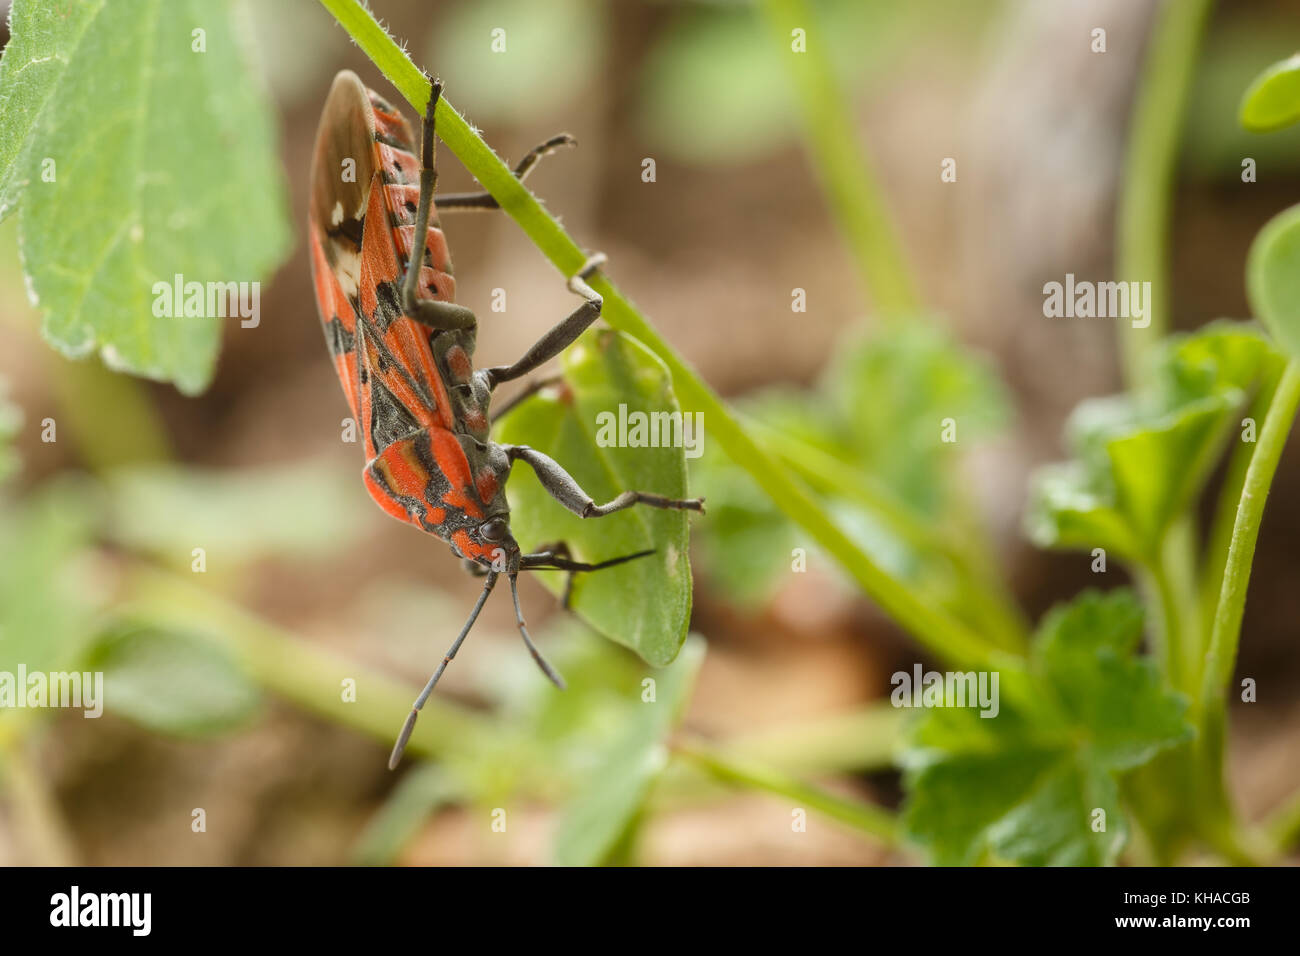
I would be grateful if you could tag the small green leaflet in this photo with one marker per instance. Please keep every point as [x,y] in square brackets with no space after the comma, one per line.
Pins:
[136,147]
[644,604]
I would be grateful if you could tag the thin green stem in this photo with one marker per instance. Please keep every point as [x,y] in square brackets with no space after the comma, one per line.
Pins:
[864,818]
[1142,252]
[1225,512]
[854,196]
[1221,657]
[1210,707]
[939,631]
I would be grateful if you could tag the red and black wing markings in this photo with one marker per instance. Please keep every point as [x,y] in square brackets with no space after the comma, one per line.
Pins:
[365,192]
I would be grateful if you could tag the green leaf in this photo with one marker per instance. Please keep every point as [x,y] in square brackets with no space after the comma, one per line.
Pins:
[1024,787]
[173,683]
[1142,459]
[1273,100]
[598,819]
[644,604]
[1273,278]
[135,158]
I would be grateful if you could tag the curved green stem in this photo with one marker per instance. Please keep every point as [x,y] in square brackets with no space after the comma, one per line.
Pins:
[1210,707]
[1221,657]
[855,198]
[1142,252]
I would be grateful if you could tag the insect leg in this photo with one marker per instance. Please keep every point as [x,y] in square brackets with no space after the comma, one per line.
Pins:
[485,200]
[531,389]
[430,312]
[547,669]
[562,336]
[409,726]
[561,486]
[556,557]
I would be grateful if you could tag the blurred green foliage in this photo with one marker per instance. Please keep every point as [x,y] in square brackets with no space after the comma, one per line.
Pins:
[877,411]
[712,92]
[544,55]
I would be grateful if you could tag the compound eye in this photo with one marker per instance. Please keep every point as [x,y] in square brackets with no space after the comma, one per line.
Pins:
[494,530]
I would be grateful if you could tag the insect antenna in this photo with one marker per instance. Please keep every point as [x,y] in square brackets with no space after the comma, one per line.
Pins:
[409,726]
[547,669]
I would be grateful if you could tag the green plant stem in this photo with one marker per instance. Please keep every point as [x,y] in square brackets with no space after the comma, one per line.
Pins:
[940,632]
[1210,707]
[853,193]
[1142,248]
[1221,657]
[864,818]
[1225,511]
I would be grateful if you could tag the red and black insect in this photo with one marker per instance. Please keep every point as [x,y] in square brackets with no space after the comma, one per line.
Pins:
[403,351]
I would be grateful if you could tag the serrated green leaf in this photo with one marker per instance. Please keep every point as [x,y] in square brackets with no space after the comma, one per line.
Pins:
[594,823]
[1273,278]
[173,683]
[136,158]
[1053,825]
[1027,788]
[1142,459]
[1273,100]
[644,604]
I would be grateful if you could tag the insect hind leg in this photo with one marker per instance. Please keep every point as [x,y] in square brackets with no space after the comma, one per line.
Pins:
[562,487]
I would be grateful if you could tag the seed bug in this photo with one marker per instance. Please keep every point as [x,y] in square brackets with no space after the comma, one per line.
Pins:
[403,352]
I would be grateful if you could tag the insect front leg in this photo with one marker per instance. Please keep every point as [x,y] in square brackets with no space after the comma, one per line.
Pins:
[561,486]
[431,312]
[557,557]
[485,200]
[563,335]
